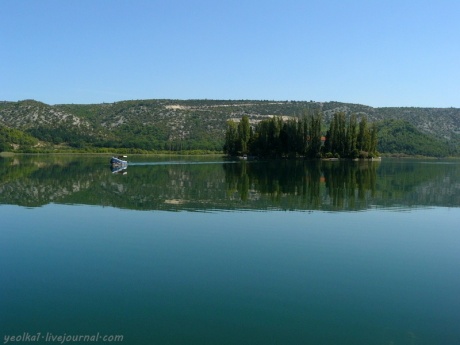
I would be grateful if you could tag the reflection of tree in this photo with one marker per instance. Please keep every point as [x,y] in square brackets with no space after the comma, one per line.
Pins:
[349,183]
[343,183]
[237,180]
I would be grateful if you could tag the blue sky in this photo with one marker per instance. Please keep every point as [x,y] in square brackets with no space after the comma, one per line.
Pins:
[378,53]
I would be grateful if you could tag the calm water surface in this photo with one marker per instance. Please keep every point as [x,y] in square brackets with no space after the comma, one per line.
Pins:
[207,251]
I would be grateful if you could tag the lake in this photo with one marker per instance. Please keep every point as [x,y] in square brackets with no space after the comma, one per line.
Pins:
[204,250]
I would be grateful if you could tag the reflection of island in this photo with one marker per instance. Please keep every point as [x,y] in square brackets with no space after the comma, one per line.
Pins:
[305,185]
[283,184]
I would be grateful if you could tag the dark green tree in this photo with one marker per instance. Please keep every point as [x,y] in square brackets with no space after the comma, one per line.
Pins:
[363,139]
[340,142]
[373,139]
[244,134]
[231,144]
[352,152]
[315,135]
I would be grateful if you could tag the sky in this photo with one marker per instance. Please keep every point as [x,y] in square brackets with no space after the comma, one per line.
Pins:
[377,53]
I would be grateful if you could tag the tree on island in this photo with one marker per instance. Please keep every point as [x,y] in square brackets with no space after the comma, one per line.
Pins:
[275,137]
[350,140]
[301,136]
[237,137]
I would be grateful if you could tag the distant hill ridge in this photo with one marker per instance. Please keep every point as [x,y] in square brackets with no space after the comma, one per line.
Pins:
[168,124]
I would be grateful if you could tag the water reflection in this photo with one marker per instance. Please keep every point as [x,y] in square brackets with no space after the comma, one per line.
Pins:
[219,185]
[122,170]
[305,185]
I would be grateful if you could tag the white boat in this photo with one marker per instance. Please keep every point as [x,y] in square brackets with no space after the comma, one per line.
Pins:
[119,161]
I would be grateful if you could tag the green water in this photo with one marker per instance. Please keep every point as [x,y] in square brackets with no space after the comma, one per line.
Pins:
[207,251]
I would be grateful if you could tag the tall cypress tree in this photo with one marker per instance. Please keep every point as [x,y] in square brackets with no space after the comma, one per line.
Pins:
[231,139]
[363,140]
[244,132]
[315,135]
[352,136]
[341,134]
[373,139]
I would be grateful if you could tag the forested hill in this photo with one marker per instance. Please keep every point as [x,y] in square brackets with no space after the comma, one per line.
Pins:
[200,124]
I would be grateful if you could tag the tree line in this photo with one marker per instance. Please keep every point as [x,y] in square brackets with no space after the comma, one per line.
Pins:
[302,137]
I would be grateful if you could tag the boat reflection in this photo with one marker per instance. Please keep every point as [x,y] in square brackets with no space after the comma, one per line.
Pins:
[122,170]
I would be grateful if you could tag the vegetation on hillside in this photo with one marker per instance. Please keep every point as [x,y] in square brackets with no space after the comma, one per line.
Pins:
[399,136]
[11,136]
[178,125]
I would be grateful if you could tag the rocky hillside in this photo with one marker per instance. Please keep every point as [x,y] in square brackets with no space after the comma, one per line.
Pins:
[193,124]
